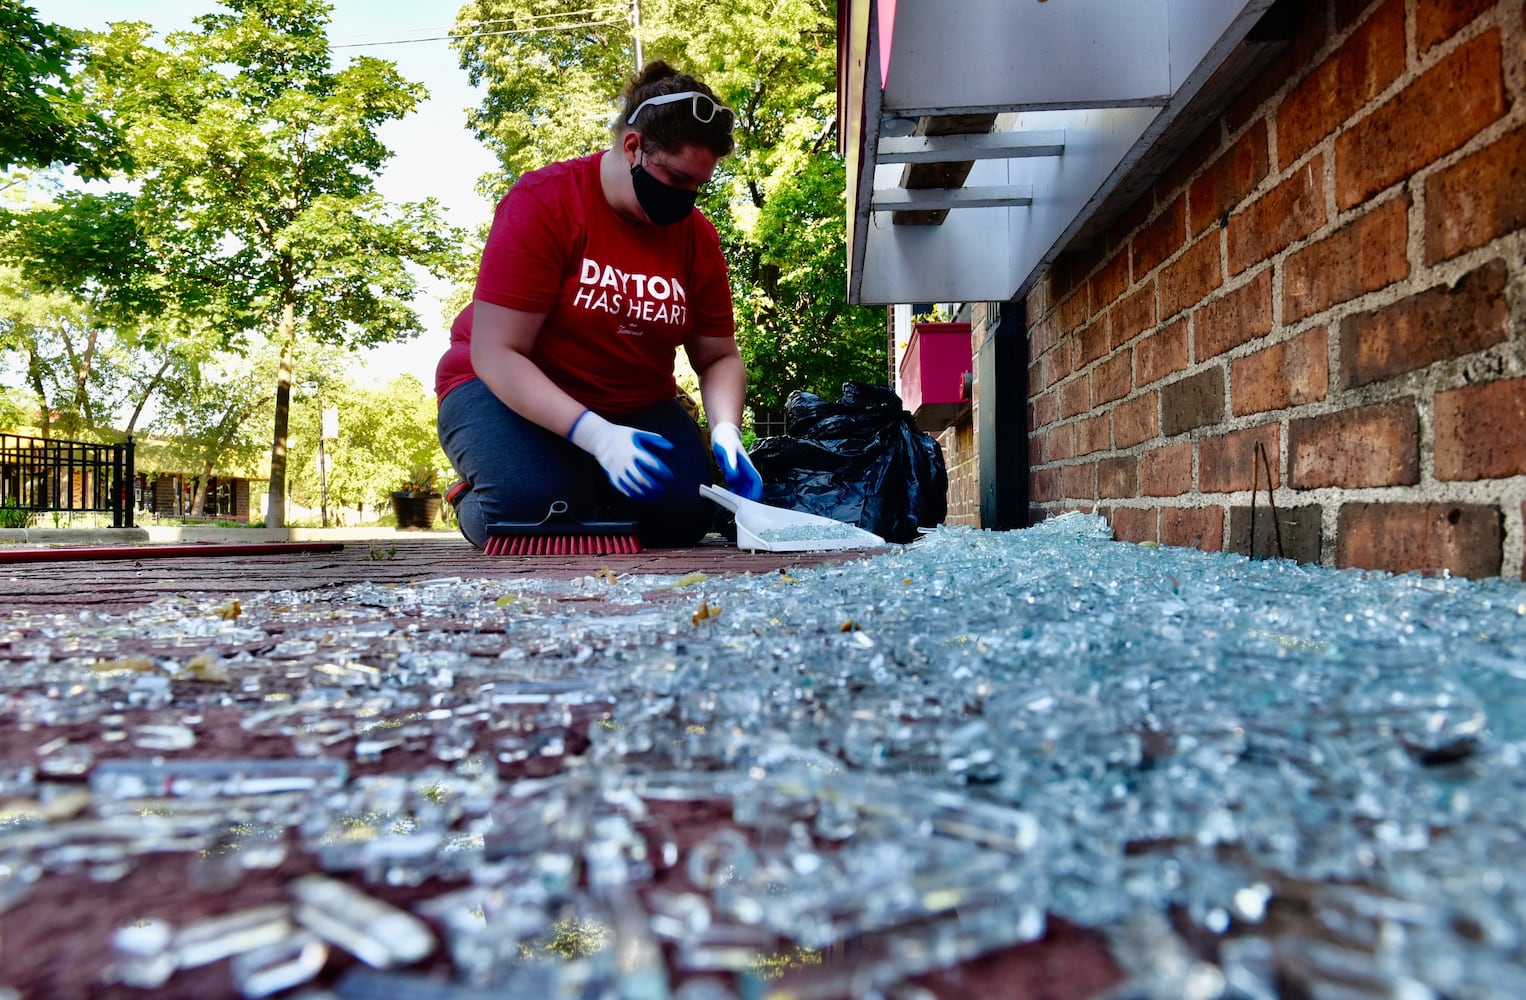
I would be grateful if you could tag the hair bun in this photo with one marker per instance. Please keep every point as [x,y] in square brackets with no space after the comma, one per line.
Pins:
[670,127]
[653,72]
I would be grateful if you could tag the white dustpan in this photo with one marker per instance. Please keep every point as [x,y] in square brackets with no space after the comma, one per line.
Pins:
[762,528]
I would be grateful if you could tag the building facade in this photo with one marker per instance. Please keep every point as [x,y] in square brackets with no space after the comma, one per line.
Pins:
[173,494]
[1316,303]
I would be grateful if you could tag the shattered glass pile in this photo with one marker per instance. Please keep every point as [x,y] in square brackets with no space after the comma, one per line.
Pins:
[1254,779]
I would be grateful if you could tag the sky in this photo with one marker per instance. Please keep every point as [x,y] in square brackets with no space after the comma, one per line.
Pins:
[435,154]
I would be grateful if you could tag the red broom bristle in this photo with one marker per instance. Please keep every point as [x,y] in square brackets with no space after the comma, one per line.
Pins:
[538,545]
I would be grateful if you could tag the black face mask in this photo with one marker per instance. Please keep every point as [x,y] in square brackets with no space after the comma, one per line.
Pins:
[663,203]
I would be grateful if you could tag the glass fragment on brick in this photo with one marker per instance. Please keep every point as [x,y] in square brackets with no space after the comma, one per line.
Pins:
[583,788]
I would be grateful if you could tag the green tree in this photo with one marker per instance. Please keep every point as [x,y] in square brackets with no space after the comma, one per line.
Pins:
[547,70]
[801,332]
[143,307]
[44,119]
[76,373]
[550,72]
[211,413]
[385,435]
[26,317]
[257,163]
[92,246]
[12,409]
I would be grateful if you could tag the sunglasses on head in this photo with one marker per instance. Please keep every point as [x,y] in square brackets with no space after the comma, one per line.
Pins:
[702,106]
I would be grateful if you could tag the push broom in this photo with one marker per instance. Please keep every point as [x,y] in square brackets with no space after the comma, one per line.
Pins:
[559,533]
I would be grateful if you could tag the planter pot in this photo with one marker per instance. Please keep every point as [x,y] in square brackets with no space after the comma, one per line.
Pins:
[415,510]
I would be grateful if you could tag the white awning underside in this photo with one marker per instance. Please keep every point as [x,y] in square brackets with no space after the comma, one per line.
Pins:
[1002,129]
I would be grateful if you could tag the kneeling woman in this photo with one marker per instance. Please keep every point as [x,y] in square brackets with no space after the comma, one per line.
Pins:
[558,383]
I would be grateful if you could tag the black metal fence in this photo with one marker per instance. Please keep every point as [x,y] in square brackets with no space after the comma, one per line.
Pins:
[41,474]
[766,424]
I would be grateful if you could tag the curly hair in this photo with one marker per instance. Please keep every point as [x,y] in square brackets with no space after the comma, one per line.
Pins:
[670,127]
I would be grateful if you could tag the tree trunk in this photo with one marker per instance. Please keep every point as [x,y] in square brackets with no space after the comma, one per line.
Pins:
[82,402]
[199,499]
[275,507]
[153,383]
[34,376]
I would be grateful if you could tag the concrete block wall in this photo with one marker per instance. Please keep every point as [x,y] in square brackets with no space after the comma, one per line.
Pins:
[1334,275]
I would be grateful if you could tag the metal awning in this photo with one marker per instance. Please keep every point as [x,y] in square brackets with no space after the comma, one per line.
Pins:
[983,137]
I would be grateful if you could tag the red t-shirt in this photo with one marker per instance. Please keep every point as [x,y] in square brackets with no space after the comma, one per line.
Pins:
[619,297]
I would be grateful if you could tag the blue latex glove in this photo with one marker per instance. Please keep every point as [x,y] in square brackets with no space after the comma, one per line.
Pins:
[630,457]
[741,477]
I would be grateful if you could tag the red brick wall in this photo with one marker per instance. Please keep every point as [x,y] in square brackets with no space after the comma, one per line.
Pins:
[959,456]
[166,500]
[1333,274]
[961,453]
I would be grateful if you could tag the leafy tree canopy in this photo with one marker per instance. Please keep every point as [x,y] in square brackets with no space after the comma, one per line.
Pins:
[142,306]
[258,165]
[90,245]
[72,373]
[44,120]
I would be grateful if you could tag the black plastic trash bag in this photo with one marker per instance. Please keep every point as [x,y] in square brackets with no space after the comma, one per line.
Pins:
[861,461]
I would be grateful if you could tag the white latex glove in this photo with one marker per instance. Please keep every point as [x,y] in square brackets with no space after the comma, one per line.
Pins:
[629,456]
[741,477]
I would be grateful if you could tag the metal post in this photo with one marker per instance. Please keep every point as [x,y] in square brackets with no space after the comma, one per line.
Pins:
[1002,371]
[636,32]
[132,481]
[323,481]
[119,485]
[328,428]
